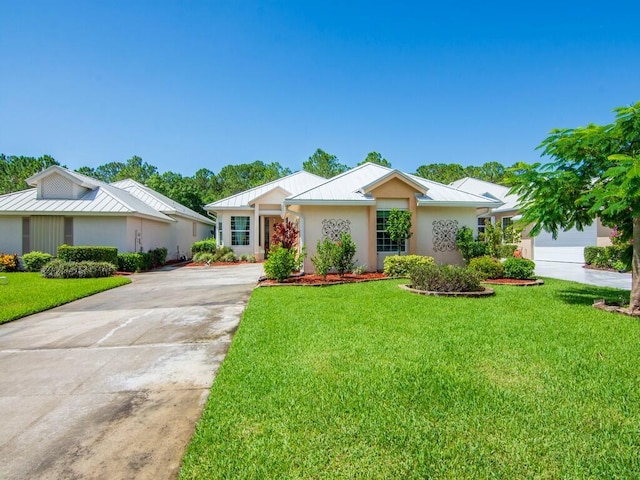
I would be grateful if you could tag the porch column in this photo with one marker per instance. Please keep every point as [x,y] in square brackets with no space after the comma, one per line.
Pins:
[256,230]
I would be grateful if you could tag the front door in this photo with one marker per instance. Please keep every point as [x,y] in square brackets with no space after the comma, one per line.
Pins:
[267,237]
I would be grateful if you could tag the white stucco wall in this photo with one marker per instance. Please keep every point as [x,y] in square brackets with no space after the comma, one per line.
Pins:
[225,218]
[101,231]
[425,231]
[359,229]
[182,237]
[11,235]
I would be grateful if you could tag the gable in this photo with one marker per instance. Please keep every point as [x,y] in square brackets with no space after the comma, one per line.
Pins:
[59,187]
[394,188]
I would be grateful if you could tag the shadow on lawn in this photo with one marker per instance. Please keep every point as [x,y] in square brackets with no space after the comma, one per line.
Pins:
[587,294]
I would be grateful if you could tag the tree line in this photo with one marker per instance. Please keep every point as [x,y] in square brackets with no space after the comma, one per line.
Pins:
[205,186]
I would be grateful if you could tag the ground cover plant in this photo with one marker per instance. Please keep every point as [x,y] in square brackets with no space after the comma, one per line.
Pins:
[27,293]
[369,381]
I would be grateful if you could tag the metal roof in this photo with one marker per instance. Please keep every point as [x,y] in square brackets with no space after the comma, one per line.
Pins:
[292,184]
[489,190]
[105,200]
[158,201]
[347,189]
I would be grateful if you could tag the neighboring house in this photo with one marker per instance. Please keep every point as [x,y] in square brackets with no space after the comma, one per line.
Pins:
[568,246]
[66,207]
[356,202]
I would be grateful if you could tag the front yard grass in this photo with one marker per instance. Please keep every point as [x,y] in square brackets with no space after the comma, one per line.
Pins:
[368,381]
[27,293]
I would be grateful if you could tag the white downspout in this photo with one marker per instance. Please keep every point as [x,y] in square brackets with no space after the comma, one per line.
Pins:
[301,222]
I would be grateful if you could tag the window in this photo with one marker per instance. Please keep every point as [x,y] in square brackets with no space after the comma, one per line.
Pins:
[506,223]
[220,241]
[194,229]
[383,242]
[240,230]
[481,225]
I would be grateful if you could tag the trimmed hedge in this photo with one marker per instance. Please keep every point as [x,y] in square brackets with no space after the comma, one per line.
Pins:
[445,278]
[401,265]
[85,269]
[612,256]
[70,253]
[208,245]
[34,261]
[520,268]
[487,267]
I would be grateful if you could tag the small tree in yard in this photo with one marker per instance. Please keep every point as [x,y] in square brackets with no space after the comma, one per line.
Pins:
[323,259]
[594,172]
[344,252]
[399,227]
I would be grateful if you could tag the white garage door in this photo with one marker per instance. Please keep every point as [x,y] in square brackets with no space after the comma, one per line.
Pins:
[568,247]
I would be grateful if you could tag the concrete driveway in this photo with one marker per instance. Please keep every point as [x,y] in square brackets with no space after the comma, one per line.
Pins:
[111,386]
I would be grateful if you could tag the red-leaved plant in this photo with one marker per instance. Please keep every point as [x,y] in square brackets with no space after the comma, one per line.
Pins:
[285,233]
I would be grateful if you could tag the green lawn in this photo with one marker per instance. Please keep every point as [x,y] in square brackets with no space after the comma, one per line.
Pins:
[368,381]
[27,293]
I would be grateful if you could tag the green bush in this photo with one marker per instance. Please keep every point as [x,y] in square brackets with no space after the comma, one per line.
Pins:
[9,262]
[520,268]
[444,278]
[506,250]
[470,248]
[84,269]
[207,245]
[323,259]
[134,262]
[158,257]
[229,257]
[70,253]
[34,261]
[280,263]
[612,256]
[248,258]
[401,265]
[487,267]
[204,257]
[344,253]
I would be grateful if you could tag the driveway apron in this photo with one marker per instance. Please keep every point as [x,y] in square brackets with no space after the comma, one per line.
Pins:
[111,386]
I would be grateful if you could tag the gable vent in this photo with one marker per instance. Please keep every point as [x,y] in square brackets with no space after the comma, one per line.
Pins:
[56,186]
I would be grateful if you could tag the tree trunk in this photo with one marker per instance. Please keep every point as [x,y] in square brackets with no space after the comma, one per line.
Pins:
[634,304]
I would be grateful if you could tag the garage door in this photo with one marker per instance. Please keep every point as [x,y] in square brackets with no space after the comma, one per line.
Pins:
[568,247]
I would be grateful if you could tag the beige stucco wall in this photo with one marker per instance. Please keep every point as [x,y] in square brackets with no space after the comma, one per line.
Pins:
[313,217]
[11,234]
[424,231]
[604,239]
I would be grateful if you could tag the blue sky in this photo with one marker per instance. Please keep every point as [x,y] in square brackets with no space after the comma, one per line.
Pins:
[187,85]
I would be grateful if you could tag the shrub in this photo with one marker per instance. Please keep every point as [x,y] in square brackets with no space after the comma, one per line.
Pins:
[323,259]
[359,270]
[84,269]
[506,250]
[493,239]
[248,258]
[445,278]
[611,256]
[88,253]
[280,263]
[470,248]
[229,257]
[401,265]
[207,245]
[134,262]
[158,257]
[9,262]
[520,268]
[34,261]
[487,267]
[204,257]
[344,252]
[285,233]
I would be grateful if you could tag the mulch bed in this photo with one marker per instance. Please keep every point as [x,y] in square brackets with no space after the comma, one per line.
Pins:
[485,292]
[319,280]
[515,282]
[214,264]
